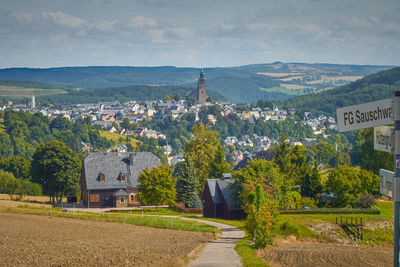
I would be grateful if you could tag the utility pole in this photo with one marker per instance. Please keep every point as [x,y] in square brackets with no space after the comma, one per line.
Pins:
[396,179]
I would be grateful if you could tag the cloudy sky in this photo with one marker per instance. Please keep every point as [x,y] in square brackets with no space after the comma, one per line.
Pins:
[206,33]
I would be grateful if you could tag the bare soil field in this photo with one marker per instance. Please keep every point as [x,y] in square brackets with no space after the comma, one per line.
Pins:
[41,199]
[34,240]
[307,254]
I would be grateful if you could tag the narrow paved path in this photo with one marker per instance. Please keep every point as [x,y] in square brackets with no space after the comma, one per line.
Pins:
[220,252]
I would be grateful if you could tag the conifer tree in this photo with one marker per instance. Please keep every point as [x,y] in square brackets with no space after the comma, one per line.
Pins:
[187,183]
[311,185]
[282,155]
[219,166]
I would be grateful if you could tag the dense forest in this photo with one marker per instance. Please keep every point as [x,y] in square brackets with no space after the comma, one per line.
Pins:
[370,88]
[123,94]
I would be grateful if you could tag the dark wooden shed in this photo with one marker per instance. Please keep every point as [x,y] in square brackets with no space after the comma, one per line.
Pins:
[218,202]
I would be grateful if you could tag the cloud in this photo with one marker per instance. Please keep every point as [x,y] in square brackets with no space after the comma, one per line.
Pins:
[63,19]
[141,22]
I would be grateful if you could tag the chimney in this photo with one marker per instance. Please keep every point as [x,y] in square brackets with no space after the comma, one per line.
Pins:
[131,159]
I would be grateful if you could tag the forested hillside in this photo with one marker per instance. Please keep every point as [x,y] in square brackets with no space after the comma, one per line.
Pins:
[370,88]
[249,83]
[123,94]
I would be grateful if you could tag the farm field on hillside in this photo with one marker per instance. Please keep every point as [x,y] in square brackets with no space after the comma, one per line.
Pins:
[32,240]
[27,92]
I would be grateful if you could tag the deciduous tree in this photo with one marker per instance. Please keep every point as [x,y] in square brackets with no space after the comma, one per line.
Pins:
[202,149]
[57,169]
[349,183]
[157,186]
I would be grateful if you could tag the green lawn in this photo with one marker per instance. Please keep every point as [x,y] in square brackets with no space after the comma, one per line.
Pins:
[117,138]
[161,211]
[135,219]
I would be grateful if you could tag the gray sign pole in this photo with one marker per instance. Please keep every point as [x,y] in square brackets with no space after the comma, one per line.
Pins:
[396,180]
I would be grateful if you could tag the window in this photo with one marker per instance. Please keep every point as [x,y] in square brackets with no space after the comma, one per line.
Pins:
[101,177]
[122,177]
[132,197]
[122,200]
[94,198]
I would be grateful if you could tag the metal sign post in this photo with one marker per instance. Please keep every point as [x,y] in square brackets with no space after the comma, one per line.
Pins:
[396,179]
[373,114]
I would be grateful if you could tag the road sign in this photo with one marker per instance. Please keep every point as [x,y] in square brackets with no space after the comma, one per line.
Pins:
[384,138]
[366,115]
[386,182]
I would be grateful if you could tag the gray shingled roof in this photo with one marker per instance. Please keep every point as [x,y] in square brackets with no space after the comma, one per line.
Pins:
[225,188]
[112,164]
[121,193]
[215,194]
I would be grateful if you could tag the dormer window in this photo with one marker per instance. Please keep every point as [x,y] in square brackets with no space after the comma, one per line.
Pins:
[122,177]
[101,177]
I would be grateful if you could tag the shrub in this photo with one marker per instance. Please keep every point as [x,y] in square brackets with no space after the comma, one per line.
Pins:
[308,202]
[261,219]
[289,228]
[367,200]
[332,211]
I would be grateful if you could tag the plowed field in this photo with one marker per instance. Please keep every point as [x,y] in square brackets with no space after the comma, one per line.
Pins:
[34,240]
[305,254]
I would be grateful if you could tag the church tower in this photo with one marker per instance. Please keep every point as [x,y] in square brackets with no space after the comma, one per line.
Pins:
[33,104]
[200,94]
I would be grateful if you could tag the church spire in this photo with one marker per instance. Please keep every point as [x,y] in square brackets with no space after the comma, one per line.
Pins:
[200,93]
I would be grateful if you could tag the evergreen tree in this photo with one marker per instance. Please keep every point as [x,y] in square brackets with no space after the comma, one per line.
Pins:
[311,185]
[219,166]
[282,155]
[187,183]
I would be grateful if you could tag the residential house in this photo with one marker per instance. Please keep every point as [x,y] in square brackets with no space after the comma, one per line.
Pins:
[111,179]
[230,140]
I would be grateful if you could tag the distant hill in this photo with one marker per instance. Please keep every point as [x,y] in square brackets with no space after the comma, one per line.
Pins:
[271,81]
[370,88]
[122,94]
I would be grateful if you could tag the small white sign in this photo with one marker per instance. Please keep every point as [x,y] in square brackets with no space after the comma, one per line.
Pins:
[372,114]
[386,182]
[384,138]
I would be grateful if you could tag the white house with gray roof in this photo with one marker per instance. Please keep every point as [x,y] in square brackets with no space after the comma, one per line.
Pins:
[111,179]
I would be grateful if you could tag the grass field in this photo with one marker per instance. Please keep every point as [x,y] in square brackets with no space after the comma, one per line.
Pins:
[284,90]
[2,128]
[135,219]
[118,139]
[13,91]
[324,175]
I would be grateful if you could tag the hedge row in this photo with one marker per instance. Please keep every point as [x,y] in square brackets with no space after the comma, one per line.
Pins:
[332,211]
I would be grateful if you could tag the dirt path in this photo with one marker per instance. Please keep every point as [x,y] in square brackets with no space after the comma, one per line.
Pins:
[304,254]
[220,252]
[36,240]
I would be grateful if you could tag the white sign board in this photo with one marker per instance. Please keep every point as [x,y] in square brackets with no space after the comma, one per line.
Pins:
[386,182]
[384,138]
[366,115]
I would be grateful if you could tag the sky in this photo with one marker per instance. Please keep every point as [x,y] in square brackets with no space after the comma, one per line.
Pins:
[206,33]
